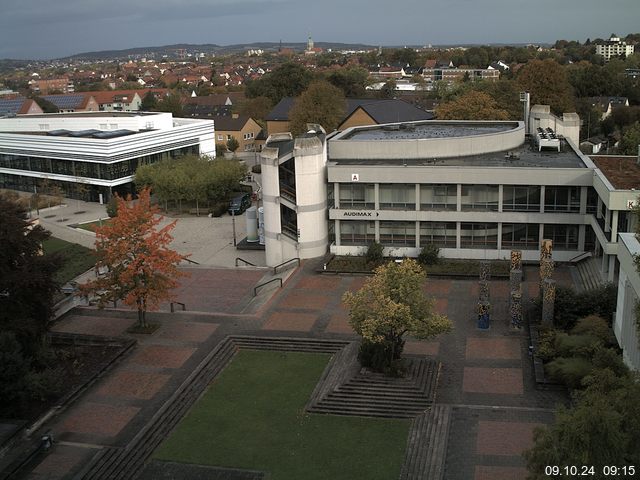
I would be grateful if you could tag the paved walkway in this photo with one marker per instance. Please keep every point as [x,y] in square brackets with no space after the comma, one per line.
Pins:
[486,375]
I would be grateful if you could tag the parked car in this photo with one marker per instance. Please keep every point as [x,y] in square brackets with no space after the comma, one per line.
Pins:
[239,203]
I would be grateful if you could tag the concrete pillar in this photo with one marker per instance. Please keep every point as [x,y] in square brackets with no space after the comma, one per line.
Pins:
[336,194]
[612,268]
[599,208]
[583,200]
[377,229]
[458,234]
[607,220]
[614,225]
[459,200]
[376,195]
[542,193]
[500,199]
[417,234]
[337,231]
[417,197]
[499,242]
[582,235]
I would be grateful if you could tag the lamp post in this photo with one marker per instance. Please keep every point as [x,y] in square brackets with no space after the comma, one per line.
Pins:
[233,223]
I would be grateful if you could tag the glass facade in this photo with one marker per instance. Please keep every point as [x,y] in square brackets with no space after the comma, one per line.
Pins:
[357,232]
[562,199]
[440,234]
[565,237]
[398,234]
[480,197]
[357,195]
[479,235]
[518,198]
[521,235]
[438,197]
[95,170]
[397,196]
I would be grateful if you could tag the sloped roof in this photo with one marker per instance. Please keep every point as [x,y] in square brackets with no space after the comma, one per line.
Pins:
[229,124]
[14,106]
[69,101]
[381,110]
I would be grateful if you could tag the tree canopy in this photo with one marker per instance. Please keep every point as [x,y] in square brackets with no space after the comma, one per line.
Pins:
[321,103]
[473,105]
[287,80]
[548,83]
[630,141]
[392,304]
[27,284]
[141,269]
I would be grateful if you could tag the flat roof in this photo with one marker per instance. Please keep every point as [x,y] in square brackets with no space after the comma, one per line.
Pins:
[623,172]
[526,156]
[417,131]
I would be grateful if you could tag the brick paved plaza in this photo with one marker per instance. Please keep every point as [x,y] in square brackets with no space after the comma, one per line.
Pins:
[486,376]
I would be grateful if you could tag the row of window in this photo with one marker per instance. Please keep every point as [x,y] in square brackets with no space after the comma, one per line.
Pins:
[472,234]
[515,198]
[75,168]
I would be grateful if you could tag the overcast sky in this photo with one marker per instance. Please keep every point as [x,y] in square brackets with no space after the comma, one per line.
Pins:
[41,29]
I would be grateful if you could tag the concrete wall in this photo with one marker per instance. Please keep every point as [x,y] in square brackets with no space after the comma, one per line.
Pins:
[568,125]
[85,121]
[624,325]
[342,147]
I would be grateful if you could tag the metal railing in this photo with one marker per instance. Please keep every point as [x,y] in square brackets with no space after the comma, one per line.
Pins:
[255,290]
[191,261]
[171,305]
[245,261]
[582,256]
[275,269]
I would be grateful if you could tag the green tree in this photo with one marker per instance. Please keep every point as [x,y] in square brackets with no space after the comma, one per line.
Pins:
[388,90]
[45,105]
[602,428]
[630,142]
[548,83]
[171,103]
[27,284]
[287,80]
[473,105]
[149,102]
[233,144]
[390,305]
[351,80]
[257,108]
[321,103]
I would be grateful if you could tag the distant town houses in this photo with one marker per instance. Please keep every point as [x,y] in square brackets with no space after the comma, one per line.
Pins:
[614,47]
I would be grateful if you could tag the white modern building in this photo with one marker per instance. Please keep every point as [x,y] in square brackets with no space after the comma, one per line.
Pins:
[474,189]
[99,150]
[625,325]
[614,47]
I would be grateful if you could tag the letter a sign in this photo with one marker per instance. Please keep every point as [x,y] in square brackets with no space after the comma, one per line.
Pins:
[355,177]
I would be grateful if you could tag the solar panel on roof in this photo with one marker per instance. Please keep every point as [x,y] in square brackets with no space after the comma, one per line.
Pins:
[84,133]
[11,106]
[65,101]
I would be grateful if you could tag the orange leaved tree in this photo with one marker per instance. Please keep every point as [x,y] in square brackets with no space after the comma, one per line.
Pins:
[133,252]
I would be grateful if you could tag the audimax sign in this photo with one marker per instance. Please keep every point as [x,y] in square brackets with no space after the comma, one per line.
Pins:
[360,213]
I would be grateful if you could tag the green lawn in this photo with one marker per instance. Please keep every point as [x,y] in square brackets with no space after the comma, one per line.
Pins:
[252,417]
[76,259]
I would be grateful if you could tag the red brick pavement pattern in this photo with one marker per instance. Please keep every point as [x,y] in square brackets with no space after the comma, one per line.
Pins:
[93,325]
[493,380]
[484,472]
[215,290]
[417,347]
[133,384]
[162,356]
[504,438]
[357,283]
[59,462]
[298,299]
[497,289]
[290,321]
[339,323]
[319,283]
[493,348]
[187,331]
[438,287]
[99,419]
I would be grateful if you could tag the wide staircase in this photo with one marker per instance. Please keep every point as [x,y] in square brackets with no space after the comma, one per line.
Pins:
[589,273]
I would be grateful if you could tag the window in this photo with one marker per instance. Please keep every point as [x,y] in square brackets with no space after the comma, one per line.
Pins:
[398,234]
[564,237]
[518,198]
[562,199]
[438,197]
[479,235]
[440,234]
[220,137]
[357,232]
[357,195]
[592,200]
[397,196]
[229,137]
[480,197]
[520,235]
